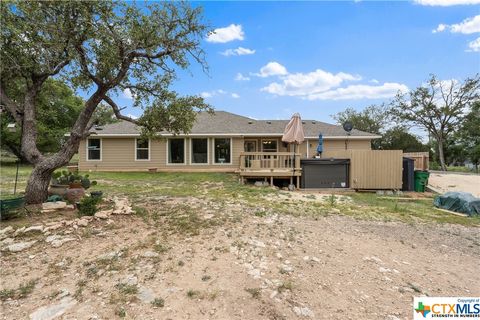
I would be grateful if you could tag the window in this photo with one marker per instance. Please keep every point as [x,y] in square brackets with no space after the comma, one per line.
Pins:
[142,149]
[200,150]
[176,150]
[269,145]
[222,151]
[94,149]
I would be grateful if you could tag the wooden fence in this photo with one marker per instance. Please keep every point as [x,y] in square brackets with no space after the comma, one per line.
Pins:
[421,159]
[372,169]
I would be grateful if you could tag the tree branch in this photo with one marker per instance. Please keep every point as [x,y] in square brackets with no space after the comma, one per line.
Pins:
[11,106]
[117,111]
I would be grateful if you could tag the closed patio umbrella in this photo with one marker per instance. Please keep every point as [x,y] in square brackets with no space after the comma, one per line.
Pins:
[294,133]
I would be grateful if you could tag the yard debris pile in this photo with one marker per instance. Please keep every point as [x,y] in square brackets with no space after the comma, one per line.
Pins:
[12,239]
[462,202]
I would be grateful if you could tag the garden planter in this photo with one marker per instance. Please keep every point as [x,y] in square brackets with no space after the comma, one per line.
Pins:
[75,194]
[75,185]
[152,170]
[58,189]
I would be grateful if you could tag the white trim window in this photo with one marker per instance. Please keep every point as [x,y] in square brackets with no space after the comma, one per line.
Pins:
[176,151]
[199,150]
[142,149]
[269,145]
[94,149]
[223,150]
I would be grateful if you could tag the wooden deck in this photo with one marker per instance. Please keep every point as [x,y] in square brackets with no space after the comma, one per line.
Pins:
[271,165]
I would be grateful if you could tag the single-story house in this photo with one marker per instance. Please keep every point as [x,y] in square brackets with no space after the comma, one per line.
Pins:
[219,142]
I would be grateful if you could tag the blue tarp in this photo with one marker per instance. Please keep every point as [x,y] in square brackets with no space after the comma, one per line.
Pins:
[459,202]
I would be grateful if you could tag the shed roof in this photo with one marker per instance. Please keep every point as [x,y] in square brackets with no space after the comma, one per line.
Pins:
[226,123]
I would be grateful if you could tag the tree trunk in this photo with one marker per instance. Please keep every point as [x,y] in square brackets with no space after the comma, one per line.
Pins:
[16,151]
[37,186]
[441,156]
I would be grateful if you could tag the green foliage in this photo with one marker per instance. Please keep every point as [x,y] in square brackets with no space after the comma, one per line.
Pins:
[109,45]
[372,119]
[64,178]
[398,138]
[469,134]
[376,119]
[88,206]
[23,290]
[158,303]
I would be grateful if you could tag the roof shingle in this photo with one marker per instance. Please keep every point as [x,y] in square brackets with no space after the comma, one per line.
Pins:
[225,123]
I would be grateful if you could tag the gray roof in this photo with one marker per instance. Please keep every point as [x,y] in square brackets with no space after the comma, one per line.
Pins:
[226,123]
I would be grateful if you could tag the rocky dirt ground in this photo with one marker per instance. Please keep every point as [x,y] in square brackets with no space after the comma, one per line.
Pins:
[197,258]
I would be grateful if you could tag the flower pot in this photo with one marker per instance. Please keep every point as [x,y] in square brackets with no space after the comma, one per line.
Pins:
[58,189]
[75,194]
[75,185]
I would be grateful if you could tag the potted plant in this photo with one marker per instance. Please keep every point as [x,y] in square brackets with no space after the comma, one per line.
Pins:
[59,183]
[77,186]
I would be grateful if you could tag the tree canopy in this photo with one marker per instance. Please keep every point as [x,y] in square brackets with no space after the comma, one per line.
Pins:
[437,107]
[377,119]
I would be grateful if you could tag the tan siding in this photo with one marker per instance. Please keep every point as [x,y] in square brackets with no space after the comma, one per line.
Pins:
[118,154]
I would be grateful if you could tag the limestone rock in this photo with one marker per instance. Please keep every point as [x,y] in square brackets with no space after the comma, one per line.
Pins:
[145,295]
[53,311]
[20,246]
[54,205]
[150,254]
[34,229]
[103,214]
[5,232]
[82,223]
[303,312]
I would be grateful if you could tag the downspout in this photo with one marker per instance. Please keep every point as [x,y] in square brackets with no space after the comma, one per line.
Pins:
[308,149]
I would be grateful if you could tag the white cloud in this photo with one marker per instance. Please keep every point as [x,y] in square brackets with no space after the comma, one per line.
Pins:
[446,3]
[132,116]
[206,94]
[219,92]
[301,84]
[227,34]
[241,77]
[474,46]
[361,91]
[467,26]
[127,93]
[240,51]
[272,69]
[375,81]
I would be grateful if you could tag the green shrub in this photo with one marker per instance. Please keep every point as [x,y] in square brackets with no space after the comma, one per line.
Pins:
[88,206]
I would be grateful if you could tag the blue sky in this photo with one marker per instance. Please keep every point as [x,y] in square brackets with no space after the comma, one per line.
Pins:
[318,58]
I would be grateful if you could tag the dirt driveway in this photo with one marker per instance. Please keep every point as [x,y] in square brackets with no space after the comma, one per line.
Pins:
[455,182]
[198,259]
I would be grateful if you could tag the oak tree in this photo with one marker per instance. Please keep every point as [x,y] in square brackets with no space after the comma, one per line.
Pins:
[101,48]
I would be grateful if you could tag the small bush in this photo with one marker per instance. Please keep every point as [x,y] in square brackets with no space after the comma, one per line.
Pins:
[88,206]
[255,292]
[158,302]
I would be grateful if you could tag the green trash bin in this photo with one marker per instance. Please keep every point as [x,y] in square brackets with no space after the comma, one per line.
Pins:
[421,180]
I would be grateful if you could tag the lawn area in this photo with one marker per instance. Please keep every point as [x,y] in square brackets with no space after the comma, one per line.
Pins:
[225,189]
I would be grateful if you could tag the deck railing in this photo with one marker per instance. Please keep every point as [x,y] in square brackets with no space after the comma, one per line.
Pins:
[284,161]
